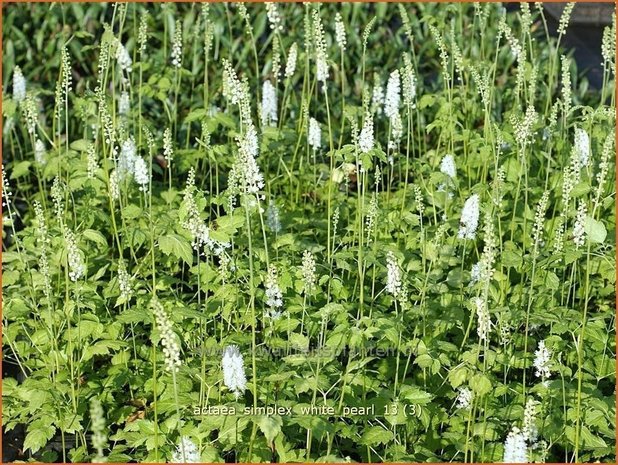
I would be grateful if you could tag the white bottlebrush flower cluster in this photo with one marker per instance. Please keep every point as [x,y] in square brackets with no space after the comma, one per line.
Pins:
[30,113]
[131,165]
[566,85]
[517,50]
[523,127]
[444,59]
[408,82]
[290,64]
[141,174]
[482,81]
[19,85]
[393,95]
[608,46]
[171,349]
[372,216]
[6,189]
[176,56]
[542,361]
[447,166]
[168,147]
[335,220]
[340,37]
[418,200]
[483,271]
[515,448]
[520,443]
[393,275]
[114,185]
[464,398]
[272,218]
[233,89]
[539,220]
[529,429]
[484,324]
[366,137]
[234,370]
[124,281]
[105,53]
[314,137]
[64,84]
[607,154]
[269,104]
[193,222]
[57,195]
[396,134]
[565,18]
[43,241]
[308,272]
[142,33]
[107,124]
[75,259]
[579,228]
[320,48]
[469,221]
[92,161]
[186,452]
[582,147]
[497,193]
[245,176]
[274,297]
[274,17]
[125,63]
[276,59]
[126,159]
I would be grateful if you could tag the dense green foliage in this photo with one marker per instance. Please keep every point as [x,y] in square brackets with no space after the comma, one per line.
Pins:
[412,342]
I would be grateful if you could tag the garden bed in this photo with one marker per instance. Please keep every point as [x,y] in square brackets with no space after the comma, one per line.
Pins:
[296,233]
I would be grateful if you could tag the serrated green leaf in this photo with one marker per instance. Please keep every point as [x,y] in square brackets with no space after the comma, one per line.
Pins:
[38,437]
[376,435]
[175,245]
[270,426]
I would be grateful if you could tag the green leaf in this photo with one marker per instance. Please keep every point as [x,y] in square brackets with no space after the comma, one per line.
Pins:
[230,223]
[427,100]
[271,427]
[595,230]
[424,361]
[196,115]
[590,440]
[20,169]
[96,236]
[8,107]
[480,384]
[414,395]
[38,436]
[175,245]
[457,376]
[80,145]
[580,189]
[376,435]
[510,258]
[131,211]
[134,315]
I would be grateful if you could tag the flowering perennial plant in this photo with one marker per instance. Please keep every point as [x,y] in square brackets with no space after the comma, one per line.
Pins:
[228,227]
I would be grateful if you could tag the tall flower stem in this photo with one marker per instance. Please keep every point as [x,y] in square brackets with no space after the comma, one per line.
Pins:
[253,319]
